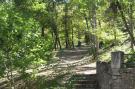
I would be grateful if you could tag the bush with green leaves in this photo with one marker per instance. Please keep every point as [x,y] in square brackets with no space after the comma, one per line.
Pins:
[21,44]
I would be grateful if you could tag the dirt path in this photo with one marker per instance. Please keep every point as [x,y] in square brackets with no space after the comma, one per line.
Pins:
[72,54]
[75,61]
[77,55]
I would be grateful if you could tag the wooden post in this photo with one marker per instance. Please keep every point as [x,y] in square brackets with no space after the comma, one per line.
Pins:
[116,64]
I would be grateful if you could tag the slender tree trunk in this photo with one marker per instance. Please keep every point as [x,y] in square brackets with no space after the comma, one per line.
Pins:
[9,61]
[72,36]
[125,23]
[66,27]
[87,32]
[114,30]
[42,31]
[99,23]
[87,24]
[96,41]
[53,39]
[94,19]
[57,42]
[131,24]
[57,39]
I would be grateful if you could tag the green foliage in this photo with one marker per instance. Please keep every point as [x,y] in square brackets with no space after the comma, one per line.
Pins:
[31,29]
[22,46]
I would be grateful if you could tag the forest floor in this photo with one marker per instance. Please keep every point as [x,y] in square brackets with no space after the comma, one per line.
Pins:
[75,60]
[77,55]
[70,62]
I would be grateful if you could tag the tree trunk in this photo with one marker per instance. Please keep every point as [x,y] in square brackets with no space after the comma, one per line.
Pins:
[73,38]
[66,27]
[131,24]
[57,42]
[125,23]
[42,31]
[87,32]
[87,24]
[96,41]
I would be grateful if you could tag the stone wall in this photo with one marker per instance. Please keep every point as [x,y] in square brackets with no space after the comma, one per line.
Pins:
[105,78]
[127,78]
[104,75]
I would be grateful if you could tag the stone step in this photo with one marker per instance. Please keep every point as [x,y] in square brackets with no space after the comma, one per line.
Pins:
[85,86]
[87,75]
[84,77]
[84,81]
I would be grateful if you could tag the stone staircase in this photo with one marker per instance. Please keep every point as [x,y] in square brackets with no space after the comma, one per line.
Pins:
[84,81]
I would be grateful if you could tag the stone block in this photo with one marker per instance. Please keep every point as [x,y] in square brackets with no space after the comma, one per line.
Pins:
[117,59]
